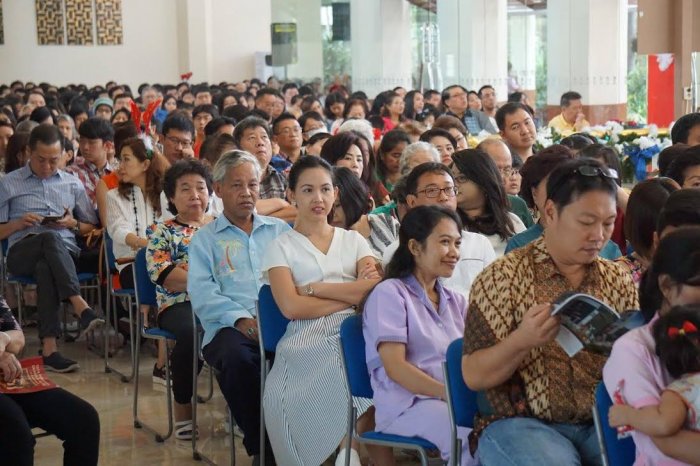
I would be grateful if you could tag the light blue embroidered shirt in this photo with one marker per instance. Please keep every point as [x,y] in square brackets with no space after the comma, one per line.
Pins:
[23,192]
[225,274]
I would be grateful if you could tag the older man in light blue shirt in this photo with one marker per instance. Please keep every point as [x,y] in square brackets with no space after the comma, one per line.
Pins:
[42,209]
[223,282]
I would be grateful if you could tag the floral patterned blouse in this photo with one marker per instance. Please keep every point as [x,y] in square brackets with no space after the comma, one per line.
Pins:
[168,244]
[7,320]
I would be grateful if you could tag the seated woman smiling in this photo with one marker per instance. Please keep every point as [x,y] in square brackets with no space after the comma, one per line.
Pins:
[409,320]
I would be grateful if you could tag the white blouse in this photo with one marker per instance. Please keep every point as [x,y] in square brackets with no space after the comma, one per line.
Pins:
[121,220]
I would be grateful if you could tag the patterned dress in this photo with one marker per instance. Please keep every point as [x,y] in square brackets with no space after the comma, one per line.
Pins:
[305,399]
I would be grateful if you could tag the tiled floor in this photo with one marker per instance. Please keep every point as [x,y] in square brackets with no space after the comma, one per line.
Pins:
[121,444]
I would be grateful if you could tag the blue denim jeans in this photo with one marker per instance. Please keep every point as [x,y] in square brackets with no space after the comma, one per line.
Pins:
[527,441]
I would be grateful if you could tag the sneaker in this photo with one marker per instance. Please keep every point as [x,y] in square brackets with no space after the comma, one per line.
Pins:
[89,321]
[158,375]
[57,363]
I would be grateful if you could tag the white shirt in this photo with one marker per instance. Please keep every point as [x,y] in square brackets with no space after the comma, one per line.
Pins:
[475,254]
[121,220]
[499,245]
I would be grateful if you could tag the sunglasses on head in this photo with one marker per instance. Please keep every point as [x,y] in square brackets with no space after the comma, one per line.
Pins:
[590,170]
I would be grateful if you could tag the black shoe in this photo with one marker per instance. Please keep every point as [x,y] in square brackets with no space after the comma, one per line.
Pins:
[57,363]
[89,321]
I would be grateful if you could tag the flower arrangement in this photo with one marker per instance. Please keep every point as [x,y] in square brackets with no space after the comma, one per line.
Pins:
[636,145]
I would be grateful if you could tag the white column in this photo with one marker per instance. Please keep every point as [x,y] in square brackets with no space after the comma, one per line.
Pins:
[587,53]
[307,16]
[522,50]
[474,45]
[380,43]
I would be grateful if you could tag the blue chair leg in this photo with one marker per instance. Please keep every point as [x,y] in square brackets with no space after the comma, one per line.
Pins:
[112,312]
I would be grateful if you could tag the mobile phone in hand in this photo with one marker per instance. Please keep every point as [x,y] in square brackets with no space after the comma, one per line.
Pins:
[51,219]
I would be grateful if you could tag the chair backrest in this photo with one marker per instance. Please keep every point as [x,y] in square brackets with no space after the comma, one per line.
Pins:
[352,351]
[144,288]
[110,260]
[272,322]
[620,452]
[462,399]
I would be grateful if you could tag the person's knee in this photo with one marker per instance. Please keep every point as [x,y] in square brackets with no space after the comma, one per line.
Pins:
[50,237]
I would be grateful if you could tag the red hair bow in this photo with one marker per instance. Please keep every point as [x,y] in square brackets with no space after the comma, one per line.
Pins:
[687,327]
[186,76]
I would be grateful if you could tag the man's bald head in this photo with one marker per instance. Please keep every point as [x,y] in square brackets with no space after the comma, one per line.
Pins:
[500,154]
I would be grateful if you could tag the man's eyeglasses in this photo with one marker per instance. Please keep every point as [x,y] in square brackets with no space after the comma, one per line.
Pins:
[433,192]
[179,142]
[507,171]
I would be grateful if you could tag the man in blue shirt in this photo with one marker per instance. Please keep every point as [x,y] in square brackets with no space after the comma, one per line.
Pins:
[454,99]
[223,283]
[42,209]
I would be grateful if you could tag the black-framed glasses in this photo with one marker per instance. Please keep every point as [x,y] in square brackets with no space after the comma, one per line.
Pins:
[434,191]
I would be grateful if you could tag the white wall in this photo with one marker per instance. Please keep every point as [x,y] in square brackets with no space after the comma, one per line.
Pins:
[143,56]
[215,39]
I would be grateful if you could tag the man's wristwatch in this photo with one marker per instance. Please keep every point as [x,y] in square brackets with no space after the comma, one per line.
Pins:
[309,290]
[76,228]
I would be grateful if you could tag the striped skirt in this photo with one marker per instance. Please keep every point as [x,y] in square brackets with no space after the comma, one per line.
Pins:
[305,398]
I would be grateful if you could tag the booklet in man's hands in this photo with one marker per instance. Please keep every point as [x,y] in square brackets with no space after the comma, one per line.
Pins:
[587,322]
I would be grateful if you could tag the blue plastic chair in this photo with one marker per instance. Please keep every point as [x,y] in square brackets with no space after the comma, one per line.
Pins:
[110,265]
[352,352]
[145,294]
[271,327]
[461,400]
[613,451]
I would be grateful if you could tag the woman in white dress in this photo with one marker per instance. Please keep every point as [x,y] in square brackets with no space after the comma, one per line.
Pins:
[317,274]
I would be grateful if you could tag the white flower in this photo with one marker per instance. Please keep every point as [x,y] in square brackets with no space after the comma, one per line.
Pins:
[653,131]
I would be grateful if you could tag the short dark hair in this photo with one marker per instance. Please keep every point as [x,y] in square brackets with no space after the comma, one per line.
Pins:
[214,125]
[97,128]
[688,158]
[446,92]
[668,155]
[679,353]
[509,109]
[199,89]
[283,117]
[577,141]
[216,145]
[566,184]
[250,122]
[353,195]
[682,208]
[318,137]
[310,115]
[605,154]
[482,88]
[567,97]
[681,128]
[45,134]
[448,122]
[206,108]
[337,146]
[288,86]
[644,206]
[267,91]
[435,132]
[178,121]
[331,99]
[677,256]
[416,225]
[420,170]
[306,162]
[177,171]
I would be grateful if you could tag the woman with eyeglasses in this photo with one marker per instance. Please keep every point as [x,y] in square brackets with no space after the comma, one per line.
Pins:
[482,203]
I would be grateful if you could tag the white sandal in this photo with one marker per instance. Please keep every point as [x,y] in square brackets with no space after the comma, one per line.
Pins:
[354,458]
[183,430]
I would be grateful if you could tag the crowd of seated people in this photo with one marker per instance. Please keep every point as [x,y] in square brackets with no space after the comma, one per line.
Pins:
[344,204]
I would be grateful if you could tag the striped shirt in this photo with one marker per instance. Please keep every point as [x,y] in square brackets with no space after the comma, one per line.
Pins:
[22,192]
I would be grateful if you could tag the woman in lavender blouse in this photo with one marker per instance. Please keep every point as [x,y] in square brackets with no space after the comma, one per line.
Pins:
[409,320]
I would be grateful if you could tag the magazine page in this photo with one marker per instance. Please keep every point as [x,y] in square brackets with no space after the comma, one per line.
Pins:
[586,322]
[33,378]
